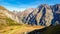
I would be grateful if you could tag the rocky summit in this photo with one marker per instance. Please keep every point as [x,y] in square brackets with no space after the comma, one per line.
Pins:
[44,15]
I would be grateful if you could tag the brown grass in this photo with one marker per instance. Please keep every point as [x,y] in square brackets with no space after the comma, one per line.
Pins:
[19,29]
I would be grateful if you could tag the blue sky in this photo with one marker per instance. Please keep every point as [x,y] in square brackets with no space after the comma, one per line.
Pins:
[24,4]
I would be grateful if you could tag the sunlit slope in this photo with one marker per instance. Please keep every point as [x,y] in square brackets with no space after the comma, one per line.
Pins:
[5,21]
[22,29]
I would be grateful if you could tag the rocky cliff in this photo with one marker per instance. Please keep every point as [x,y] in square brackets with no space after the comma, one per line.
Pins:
[44,15]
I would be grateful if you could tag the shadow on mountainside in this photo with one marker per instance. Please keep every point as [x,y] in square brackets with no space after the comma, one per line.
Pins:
[47,30]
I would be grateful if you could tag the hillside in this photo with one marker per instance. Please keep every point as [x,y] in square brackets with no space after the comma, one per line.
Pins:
[2,8]
[5,21]
[10,24]
[47,30]
[6,18]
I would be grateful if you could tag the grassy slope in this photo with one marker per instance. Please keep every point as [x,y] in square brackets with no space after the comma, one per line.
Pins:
[5,21]
[19,29]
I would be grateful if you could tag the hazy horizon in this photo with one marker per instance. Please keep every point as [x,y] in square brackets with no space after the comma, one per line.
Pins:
[21,5]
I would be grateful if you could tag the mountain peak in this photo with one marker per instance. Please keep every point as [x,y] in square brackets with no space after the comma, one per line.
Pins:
[43,5]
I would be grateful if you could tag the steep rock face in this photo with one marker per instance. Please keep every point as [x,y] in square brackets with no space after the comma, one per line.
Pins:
[56,14]
[42,15]
[45,15]
[30,18]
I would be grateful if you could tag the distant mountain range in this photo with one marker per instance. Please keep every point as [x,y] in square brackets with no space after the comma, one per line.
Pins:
[43,15]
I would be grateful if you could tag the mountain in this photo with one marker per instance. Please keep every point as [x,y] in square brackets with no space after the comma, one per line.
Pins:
[2,8]
[56,14]
[7,17]
[44,15]
[6,21]
[47,30]
[9,14]
[10,23]
[25,13]
[40,17]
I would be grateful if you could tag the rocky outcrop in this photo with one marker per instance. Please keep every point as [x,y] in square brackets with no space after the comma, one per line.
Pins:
[44,15]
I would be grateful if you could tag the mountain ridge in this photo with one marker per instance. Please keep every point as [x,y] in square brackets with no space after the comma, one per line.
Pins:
[44,15]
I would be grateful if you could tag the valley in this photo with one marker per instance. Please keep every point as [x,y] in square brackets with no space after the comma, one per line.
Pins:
[42,18]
